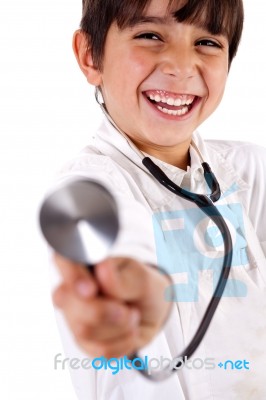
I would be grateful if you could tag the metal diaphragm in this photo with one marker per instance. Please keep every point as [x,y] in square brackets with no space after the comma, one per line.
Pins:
[80,221]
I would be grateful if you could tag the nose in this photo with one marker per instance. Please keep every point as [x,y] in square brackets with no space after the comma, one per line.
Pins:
[179,61]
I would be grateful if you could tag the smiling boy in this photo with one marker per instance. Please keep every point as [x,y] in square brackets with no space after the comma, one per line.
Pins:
[161,69]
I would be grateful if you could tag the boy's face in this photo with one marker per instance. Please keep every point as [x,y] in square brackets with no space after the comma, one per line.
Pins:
[161,79]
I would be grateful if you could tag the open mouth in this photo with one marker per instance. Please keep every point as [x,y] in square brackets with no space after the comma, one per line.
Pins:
[171,104]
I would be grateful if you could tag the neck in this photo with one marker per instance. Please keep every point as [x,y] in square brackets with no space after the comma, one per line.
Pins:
[178,156]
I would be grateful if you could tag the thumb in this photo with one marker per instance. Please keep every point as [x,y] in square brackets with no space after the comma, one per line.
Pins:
[122,278]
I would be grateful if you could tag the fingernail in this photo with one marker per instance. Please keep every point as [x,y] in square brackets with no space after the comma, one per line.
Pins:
[85,289]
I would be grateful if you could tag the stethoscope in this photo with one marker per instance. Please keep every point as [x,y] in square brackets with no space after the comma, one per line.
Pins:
[206,204]
[79,220]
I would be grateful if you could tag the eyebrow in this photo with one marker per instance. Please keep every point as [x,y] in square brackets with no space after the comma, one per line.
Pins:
[143,19]
[149,20]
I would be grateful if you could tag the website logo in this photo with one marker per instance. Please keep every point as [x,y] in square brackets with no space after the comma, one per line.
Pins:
[187,242]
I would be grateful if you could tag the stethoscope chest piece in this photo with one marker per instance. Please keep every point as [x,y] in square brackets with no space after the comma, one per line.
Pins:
[80,221]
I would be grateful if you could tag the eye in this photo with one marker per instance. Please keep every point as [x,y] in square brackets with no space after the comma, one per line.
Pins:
[208,43]
[148,36]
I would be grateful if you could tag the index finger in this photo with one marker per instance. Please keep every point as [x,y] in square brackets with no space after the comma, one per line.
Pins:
[75,275]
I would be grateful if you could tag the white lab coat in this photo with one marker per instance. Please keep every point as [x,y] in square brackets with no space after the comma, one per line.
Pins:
[159,227]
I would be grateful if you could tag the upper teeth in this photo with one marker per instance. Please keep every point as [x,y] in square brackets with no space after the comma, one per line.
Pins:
[185,101]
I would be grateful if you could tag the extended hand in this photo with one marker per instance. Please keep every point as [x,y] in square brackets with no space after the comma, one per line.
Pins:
[115,311]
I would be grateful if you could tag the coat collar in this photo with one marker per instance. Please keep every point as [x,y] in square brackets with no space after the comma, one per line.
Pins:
[114,145]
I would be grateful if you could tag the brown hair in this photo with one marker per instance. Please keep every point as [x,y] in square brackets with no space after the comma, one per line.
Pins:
[216,16]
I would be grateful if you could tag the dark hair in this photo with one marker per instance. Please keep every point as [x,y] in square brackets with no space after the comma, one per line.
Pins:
[216,16]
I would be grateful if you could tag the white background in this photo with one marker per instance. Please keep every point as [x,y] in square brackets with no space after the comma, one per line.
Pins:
[47,115]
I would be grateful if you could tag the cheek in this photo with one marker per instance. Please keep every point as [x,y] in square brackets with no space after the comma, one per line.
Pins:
[216,81]
[140,63]
[126,72]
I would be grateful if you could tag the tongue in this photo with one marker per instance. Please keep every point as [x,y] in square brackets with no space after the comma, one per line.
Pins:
[164,105]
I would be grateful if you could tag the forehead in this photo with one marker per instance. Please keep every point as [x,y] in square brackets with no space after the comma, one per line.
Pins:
[215,17]
[165,8]
[159,11]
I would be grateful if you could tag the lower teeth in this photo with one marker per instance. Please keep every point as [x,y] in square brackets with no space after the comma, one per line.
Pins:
[183,111]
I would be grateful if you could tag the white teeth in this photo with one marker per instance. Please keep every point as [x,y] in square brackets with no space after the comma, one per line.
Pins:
[170,101]
[178,102]
[183,111]
[186,102]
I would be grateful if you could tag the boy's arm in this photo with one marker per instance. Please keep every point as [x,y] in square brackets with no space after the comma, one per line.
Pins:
[135,241]
[115,312]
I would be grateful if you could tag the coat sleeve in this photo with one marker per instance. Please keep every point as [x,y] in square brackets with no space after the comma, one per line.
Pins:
[135,240]
[253,166]
[249,160]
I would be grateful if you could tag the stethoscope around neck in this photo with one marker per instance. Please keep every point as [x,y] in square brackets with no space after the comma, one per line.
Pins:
[79,220]
[160,176]
[206,204]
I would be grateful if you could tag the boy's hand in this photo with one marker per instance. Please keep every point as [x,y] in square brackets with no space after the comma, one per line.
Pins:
[116,311]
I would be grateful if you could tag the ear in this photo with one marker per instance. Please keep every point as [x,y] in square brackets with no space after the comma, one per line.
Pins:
[82,51]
